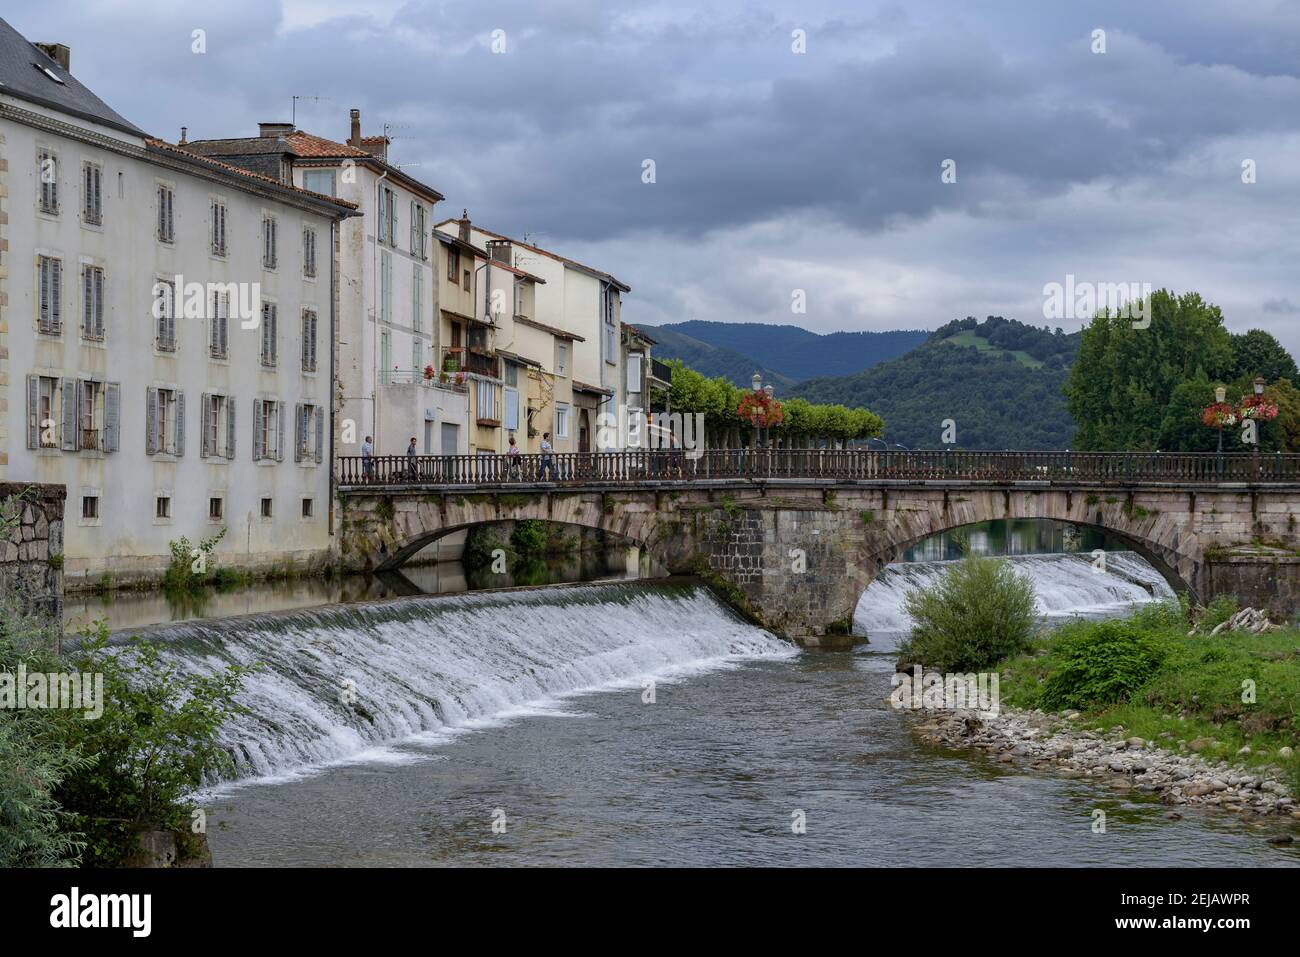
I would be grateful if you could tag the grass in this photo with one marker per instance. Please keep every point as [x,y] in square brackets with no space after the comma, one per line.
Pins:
[1189,688]
[968,338]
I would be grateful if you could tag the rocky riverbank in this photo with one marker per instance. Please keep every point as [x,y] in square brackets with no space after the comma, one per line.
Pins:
[1052,742]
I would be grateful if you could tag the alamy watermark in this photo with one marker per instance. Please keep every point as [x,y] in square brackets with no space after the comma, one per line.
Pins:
[666,431]
[194,300]
[923,690]
[39,691]
[1082,300]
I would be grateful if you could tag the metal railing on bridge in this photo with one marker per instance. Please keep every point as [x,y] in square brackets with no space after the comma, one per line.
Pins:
[631,466]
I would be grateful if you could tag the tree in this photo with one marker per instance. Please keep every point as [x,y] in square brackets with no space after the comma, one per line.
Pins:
[1257,353]
[1122,383]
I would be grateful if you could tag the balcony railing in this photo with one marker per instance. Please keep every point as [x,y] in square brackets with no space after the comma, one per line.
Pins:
[851,465]
[471,360]
[91,439]
[417,377]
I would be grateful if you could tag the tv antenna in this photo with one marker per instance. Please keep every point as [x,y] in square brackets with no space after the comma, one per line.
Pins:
[294,111]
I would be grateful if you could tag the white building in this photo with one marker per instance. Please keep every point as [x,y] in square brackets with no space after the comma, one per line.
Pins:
[165,335]
[388,366]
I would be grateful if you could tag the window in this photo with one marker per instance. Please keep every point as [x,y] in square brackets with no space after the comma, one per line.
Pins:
[269,334]
[611,333]
[266,508]
[90,506]
[42,427]
[385,287]
[268,425]
[561,420]
[453,264]
[166,214]
[219,328]
[419,236]
[268,242]
[164,421]
[511,397]
[417,297]
[49,316]
[634,361]
[466,281]
[309,252]
[306,508]
[90,402]
[310,434]
[319,181]
[48,164]
[92,313]
[308,340]
[218,423]
[561,358]
[391,228]
[218,223]
[417,357]
[385,354]
[162,506]
[215,506]
[92,197]
[487,401]
[164,310]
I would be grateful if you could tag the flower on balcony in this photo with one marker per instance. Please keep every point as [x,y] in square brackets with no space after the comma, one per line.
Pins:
[428,372]
[761,411]
[1219,415]
[460,378]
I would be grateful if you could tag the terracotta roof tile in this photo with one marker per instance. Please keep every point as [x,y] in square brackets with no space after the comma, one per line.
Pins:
[165,147]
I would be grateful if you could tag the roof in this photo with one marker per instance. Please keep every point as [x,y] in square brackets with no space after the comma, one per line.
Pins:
[546,252]
[303,145]
[183,153]
[595,389]
[636,331]
[518,272]
[23,74]
[457,242]
[558,333]
[519,359]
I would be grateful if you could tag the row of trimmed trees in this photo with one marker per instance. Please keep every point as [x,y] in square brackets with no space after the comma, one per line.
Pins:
[802,425]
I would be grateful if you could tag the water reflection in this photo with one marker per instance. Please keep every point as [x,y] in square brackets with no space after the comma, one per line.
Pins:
[135,609]
[1016,536]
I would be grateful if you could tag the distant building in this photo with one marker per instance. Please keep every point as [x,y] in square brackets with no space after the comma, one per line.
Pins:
[165,334]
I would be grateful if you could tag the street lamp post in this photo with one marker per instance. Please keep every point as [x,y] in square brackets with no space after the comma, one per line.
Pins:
[1259,390]
[1220,393]
[757,381]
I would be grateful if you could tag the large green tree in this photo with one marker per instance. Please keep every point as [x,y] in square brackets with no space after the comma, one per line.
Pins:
[1119,389]
[1258,353]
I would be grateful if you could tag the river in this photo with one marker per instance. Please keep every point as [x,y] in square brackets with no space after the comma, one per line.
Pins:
[641,723]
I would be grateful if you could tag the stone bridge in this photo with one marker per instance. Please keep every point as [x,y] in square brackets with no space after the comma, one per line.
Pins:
[796,553]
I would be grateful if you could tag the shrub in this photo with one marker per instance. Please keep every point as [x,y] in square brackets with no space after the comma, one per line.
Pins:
[529,538]
[1219,610]
[979,612]
[1102,663]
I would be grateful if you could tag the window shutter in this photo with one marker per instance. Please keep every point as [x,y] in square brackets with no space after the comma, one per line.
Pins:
[300,429]
[33,411]
[180,423]
[99,303]
[274,251]
[205,416]
[259,415]
[223,312]
[383,216]
[56,295]
[320,433]
[69,410]
[214,332]
[312,340]
[221,208]
[306,353]
[150,421]
[279,432]
[171,218]
[112,417]
[88,298]
[230,426]
[169,318]
[275,332]
[266,333]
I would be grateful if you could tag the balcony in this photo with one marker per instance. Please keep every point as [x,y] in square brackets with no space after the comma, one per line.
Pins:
[92,440]
[417,377]
[475,361]
[661,371]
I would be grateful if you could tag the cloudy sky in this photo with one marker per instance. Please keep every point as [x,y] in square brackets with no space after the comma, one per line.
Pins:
[776,170]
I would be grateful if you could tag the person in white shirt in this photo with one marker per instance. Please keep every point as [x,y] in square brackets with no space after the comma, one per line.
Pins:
[548,462]
[368,459]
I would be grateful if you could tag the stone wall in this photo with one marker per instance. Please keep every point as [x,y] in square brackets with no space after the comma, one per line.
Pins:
[31,554]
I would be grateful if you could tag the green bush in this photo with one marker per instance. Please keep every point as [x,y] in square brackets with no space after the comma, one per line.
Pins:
[979,612]
[1219,610]
[1101,663]
[529,538]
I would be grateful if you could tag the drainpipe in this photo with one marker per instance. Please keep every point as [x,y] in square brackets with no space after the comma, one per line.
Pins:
[334,347]
[374,334]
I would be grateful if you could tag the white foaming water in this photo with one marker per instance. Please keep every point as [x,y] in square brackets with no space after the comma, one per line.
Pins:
[1064,584]
[422,670]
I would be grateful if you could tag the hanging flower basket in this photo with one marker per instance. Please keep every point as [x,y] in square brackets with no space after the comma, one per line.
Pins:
[1258,407]
[1219,415]
[757,409]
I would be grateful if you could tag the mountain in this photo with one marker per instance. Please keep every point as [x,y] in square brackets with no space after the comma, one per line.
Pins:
[999,381]
[710,360]
[790,354]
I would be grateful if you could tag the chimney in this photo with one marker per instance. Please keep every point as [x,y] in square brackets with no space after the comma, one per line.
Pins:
[464,225]
[184,131]
[273,130]
[57,52]
[355,138]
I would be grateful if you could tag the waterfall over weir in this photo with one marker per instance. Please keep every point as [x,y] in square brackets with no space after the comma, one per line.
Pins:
[420,669]
[1065,584]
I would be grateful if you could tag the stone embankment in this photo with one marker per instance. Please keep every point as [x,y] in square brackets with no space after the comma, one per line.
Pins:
[1051,742]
